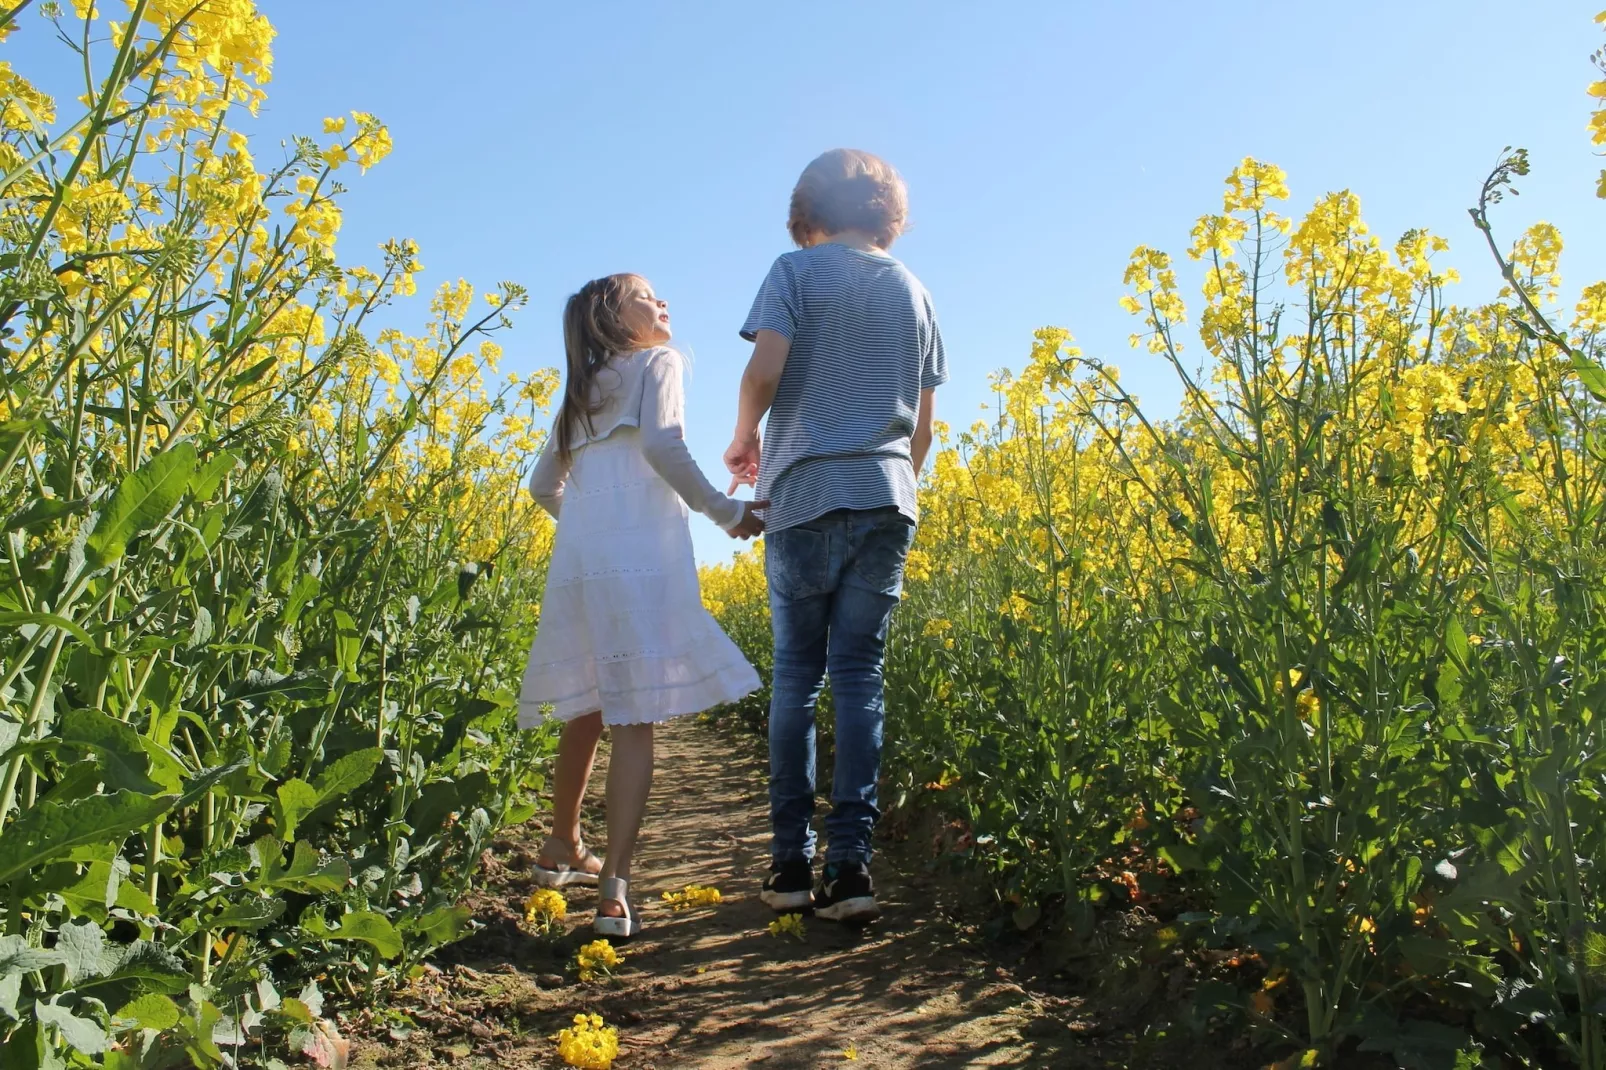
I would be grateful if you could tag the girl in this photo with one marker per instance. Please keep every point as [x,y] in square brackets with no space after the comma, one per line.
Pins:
[624,639]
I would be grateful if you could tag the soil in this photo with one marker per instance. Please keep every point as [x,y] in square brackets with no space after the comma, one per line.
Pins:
[712,988]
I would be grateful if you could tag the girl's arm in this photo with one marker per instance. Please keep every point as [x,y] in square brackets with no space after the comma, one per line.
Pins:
[663,443]
[546,482]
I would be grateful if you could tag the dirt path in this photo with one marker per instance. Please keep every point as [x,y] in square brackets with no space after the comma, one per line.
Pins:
[711,987]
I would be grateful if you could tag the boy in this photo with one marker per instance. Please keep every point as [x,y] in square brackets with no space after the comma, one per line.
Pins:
[846,360]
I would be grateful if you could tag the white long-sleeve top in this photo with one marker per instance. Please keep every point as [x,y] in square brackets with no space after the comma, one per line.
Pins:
[641,390]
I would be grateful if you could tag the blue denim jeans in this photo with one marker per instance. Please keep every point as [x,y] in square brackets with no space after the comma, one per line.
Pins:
[833,584]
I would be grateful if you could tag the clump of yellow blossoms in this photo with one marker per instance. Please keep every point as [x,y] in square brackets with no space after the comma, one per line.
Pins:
[588,1043]
[694,895]
[789,925]
[545,908]
[597,959]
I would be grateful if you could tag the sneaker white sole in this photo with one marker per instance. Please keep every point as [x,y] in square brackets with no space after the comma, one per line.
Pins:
[863,908]
[782,902]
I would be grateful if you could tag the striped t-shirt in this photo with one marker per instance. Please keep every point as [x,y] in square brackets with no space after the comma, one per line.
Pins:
[864,345]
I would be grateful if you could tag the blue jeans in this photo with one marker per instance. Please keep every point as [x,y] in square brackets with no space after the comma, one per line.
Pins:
[833,584]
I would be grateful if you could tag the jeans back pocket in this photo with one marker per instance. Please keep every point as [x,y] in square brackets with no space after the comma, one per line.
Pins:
[797,562]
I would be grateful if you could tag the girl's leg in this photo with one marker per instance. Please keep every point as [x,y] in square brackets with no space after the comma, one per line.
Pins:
[629,783]
[577,750]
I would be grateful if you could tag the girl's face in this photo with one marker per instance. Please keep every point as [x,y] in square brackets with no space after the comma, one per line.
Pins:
[644,315]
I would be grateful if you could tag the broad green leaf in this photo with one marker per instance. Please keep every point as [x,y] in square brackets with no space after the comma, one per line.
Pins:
[365,925]
[306,873]
[162,767]
[248,915]
[296,799]
[16,957]
[48,620]
[120,749]
[10,993]
[348,642]
[14,432]
[296,1011]
[440,926]
[1591,374]
[346,773]
[152,1011]
[1455,641]
[143,499]
[81,1033]
[50,830]
[84,952]
[209,475]
[148,965]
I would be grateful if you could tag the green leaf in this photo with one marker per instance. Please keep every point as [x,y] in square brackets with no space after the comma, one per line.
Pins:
[42,512]
[1182,857]
[365,925]
[13,432]
[1455,642]
[210,475]
[50,830]
[1591,374]
[120,749]
[346,773]
[249,914]
[348,642]
[441,926]
[49,620]
[306,875]
[143,499]
[80,1033]
[297,799]
[17,957]
[83,948]
[148,965]
[152,1011]
[253,374]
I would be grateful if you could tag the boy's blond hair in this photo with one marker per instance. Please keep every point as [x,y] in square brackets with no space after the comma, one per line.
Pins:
[846,189]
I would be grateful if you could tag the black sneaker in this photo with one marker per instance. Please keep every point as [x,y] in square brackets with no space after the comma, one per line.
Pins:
[786,889]
[846,893]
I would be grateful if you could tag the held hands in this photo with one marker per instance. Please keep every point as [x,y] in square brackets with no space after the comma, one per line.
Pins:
[751,523]
[741,459]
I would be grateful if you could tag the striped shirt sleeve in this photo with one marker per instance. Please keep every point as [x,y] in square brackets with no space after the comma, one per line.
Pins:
[934,361]
[778,306]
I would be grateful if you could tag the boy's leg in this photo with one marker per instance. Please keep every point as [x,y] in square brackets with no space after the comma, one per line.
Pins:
[797,562]
[872,582]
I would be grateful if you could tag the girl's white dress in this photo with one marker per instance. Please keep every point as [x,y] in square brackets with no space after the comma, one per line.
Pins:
[623,629]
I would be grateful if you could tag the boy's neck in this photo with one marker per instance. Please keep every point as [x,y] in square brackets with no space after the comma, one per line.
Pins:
[853,239]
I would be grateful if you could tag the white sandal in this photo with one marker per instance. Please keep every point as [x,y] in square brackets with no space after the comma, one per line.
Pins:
[624,926]
[566,872]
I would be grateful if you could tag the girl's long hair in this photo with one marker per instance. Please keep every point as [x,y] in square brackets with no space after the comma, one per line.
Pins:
[592,332]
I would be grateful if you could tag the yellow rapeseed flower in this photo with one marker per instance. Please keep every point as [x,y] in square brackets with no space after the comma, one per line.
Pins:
[545,908]
[588,1043]
[789,925]
[693,895]
[597,959]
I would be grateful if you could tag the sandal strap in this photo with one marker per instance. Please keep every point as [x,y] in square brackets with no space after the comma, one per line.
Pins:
[615,889]
[565,856]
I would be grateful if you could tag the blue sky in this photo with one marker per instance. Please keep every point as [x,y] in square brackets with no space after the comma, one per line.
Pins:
[1041,141]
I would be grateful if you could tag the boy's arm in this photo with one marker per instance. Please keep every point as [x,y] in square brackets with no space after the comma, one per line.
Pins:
[920,441]
[759,382]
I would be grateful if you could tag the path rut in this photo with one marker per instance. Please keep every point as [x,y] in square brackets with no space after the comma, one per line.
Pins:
[712,988]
